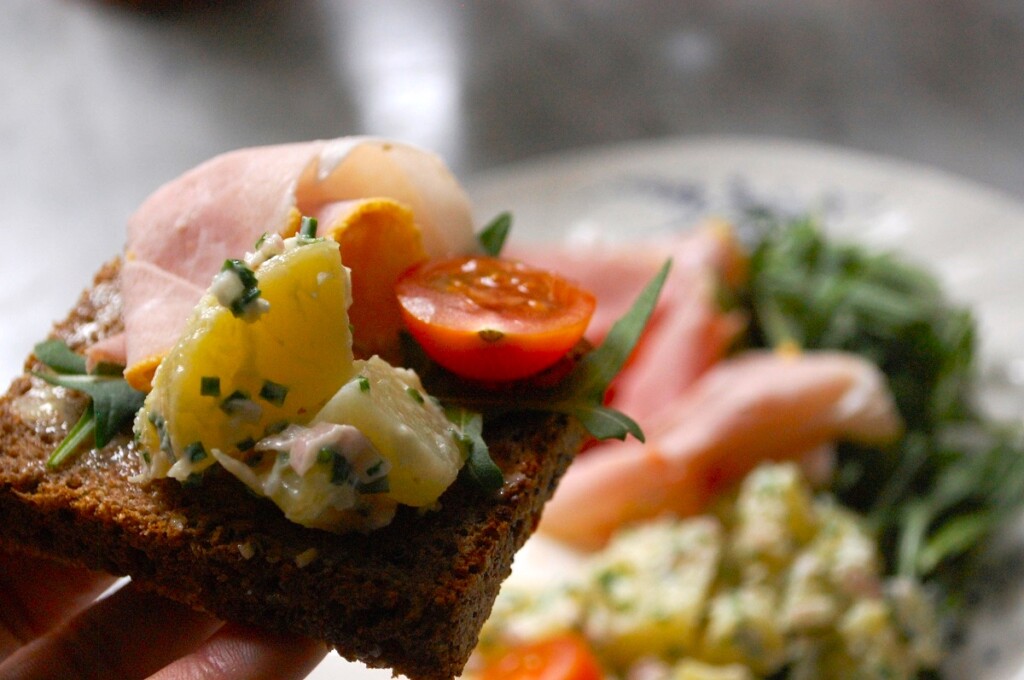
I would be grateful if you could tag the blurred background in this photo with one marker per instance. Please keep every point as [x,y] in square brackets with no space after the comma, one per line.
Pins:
[102,102]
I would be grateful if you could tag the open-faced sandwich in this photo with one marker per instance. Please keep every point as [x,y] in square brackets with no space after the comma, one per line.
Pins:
[229,415]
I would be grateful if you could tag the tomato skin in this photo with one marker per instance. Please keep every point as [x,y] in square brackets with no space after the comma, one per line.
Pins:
[565,657]
[492,319]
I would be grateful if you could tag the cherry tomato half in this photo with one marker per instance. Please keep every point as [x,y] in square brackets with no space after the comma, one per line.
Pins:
[492,319]
[565,657]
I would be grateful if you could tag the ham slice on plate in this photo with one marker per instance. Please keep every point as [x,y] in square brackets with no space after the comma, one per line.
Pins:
[756,407]
[188,227]
[688,331]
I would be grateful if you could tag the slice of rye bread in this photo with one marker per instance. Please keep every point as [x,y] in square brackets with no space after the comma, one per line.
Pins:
[411,596]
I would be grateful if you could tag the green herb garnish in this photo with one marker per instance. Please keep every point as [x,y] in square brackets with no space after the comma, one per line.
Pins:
[113,401]
[55,354]
[237,402]
[250,287]
[308,227]
[276,428]
[479,467]
[341,471]
[273,393]
[364,383]
[77,435]
[953,478]
[586,386]
[492,237]
[209,386]
[490,335]
[381,485]
[414,394]
[195,452]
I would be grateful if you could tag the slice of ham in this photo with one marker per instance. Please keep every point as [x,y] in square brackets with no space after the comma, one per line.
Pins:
[757,407]
[688,331]
[691,331]
[188,227]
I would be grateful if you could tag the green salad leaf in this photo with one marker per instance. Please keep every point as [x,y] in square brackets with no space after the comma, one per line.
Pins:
[942,490]
[492,237]
[480,467]
[113,401]
[584,390]
[56,355]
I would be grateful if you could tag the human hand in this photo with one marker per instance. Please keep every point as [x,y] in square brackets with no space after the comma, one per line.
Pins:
[52,627]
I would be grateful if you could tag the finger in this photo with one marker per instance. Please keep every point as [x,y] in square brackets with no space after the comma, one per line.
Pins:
[240,653]
[37,594]
[129,634]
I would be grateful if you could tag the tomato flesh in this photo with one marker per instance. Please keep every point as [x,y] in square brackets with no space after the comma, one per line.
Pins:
[565,657]
[492,319]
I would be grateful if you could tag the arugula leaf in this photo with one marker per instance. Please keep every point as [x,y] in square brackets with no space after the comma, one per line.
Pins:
[605,423]
[492,237]
[480,467]
[113,401]
[954,477]
[85,427]
[591,378]
[58,356]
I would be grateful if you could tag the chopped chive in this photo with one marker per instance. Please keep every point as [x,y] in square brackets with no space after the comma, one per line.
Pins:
[325,455]
[261,240]
[276,428]
[490,335]
[195,452]
[342,470]
[308,227]
[273,393]
[250,286]
[85,426]
[415,394]
[158,422]
[364,383]
[241,303]
[209,386]
[374,469]
[146,457]
[376,486]
[232,404]
[246,444]
[242,271]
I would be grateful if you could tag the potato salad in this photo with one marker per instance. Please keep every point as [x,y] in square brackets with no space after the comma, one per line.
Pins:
[773,580]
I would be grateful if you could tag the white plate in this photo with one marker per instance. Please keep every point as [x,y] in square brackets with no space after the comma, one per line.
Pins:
[973,238]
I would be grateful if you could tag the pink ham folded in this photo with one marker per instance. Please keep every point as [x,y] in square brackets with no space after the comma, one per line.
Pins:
[688,331]
[757,407]
[181,235]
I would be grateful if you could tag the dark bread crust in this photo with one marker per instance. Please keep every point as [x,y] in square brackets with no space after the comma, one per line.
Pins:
[411,596]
